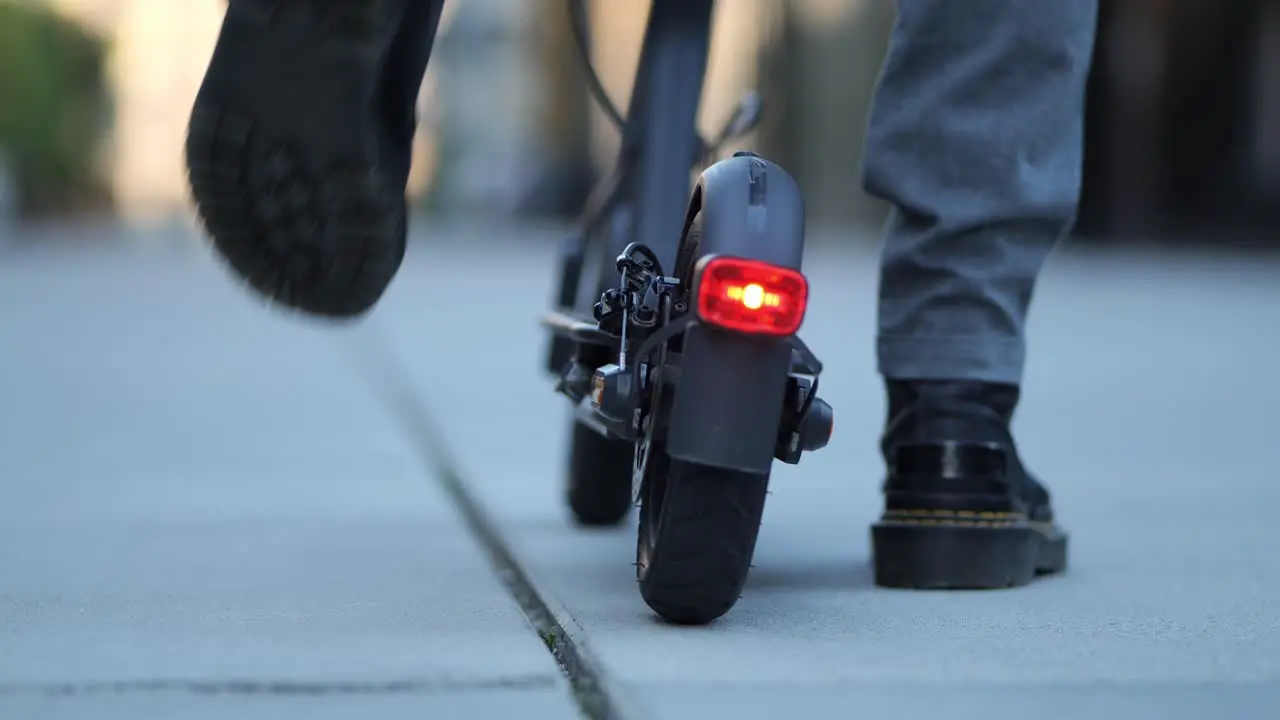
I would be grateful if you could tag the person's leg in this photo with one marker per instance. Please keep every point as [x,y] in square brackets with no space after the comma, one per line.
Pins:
[294,156]
[976,138]
[400,85]
[405,66]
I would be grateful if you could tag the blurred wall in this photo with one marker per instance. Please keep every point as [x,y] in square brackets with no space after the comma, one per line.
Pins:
[564,116]
[488,95]
[158,52]
[819,70]
[1184,104]
[161,50]
[1183,121]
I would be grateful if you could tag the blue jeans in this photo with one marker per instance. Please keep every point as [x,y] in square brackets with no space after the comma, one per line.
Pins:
[976,137]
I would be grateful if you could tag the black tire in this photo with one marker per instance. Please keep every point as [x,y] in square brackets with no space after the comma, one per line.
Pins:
[698,530]
[698,524]
[599,477]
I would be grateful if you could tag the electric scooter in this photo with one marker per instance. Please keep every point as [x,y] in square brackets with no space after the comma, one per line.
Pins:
[674,331]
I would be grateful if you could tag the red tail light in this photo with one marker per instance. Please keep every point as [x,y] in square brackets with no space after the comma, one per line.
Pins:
[750,296]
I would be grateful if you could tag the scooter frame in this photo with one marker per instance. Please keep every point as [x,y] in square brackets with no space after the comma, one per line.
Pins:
[645,196]
[673,263]
[749,207]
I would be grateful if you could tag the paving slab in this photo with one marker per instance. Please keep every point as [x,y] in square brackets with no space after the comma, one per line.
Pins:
[1150,402]
[205,512]
[409,706]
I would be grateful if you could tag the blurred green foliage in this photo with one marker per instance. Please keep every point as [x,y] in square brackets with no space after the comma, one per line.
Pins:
[54,106]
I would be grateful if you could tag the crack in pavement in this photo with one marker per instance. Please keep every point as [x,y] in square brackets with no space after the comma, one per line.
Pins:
[280,687]
[389,379]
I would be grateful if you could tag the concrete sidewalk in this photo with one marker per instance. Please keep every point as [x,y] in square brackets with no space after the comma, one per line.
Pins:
[209,509]
[1150,407]
[205,513]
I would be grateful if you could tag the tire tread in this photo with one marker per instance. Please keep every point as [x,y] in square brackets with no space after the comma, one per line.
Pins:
[706,540]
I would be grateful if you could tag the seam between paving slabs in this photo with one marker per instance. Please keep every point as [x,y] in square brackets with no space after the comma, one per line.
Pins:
[276,687]
[593,692]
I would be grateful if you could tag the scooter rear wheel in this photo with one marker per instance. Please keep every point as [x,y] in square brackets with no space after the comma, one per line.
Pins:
[598,486]
[698,524]
[698,531]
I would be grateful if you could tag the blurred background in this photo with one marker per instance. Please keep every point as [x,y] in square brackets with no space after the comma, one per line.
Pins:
[1183,138]
[195,486]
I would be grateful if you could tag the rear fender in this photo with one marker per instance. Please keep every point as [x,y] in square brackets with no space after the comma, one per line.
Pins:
[728,403]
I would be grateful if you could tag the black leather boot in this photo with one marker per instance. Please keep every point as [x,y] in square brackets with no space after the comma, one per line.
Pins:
[961,511]
[299,143]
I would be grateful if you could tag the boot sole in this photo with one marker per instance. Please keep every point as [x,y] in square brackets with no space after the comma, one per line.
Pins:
[950,553]
[282,153]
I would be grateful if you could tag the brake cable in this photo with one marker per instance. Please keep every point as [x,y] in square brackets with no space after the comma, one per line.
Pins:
[578,26]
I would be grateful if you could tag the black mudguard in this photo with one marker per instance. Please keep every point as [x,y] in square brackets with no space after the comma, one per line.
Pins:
[728,402]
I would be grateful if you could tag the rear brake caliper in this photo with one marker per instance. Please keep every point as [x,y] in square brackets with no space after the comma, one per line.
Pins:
[632,312]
